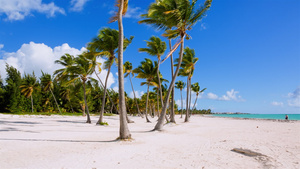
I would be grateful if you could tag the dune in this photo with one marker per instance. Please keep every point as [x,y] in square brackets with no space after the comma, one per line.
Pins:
[205,142]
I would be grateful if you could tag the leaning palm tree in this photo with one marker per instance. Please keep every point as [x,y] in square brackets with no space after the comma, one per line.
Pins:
[180,85]
[28,86]
[106,45]
[156,47]
[47,84]
[180,16]
[187,69]
[196,88]
[147,70]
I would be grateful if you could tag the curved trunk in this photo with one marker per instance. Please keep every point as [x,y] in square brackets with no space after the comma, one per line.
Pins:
[86,106]
[31,103]
[190,97]
[159,84]
[55,101]
[127,118]
[181,103]
[172,114]
[100,121]
[195,102]
[137,105]
[159,124]
[148,121]
[124,131]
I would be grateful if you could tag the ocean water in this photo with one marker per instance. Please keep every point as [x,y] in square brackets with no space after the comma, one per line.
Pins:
[261,116]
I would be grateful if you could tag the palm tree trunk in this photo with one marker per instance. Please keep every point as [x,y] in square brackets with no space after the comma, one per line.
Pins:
[181,103]
[31,103]
[157,100]
[55,101]
[127,118]
[148,121]
[159,124]
[86,106]
[159,84]
[190,113]
[137,105]
[195,102]
[100,121]
[187,99]
[172,114]
[124,131]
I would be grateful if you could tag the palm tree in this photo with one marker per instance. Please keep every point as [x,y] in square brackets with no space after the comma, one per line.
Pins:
[28,86]
[47,83]
[106,45]
[187,69]
[196,88]
[147,70]
[157,48]
[180,16]
[180,85]
[128,71]
[66,60]
[124,131]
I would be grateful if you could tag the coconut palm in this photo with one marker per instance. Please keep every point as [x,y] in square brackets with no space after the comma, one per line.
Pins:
[128,71]
[196,88]
[157,48]
[106,45]
[28,86]
[147,70]
[180,16]
[66,60]
[124,131]
[180,85]
[187,69]
[47,84]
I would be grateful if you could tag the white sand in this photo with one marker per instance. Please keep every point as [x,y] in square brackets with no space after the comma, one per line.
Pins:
[68,142]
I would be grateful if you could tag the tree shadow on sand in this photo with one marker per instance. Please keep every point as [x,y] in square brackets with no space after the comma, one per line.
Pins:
[56,140]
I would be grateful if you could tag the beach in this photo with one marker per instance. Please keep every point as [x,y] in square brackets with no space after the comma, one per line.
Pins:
[205,142]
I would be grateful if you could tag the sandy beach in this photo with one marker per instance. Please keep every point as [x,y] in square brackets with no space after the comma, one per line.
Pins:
[205,142]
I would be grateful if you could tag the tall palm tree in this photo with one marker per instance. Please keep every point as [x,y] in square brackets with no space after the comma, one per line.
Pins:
[196,89]
[157,48]
[128,71]
[124,131]
[147,70]
[28,86]
[180,85]
[180,16]
[106,45]
[187,69]
[47,84]
[66,60]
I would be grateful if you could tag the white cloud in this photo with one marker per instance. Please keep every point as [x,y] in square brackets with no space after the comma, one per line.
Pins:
[138,94]
[77,5]
[277,103]
[19,9]
[1,46]
[230,95]
[131,12]
[116,88]
[294,100]
[212,96]
[38,56]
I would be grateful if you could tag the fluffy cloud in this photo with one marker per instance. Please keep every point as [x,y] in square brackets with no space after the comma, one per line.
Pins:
[1,46]
[77,5]
[19,9]
[138,94]
[131,12]
[230,95]
[38,56]
[277,103]
[294,100]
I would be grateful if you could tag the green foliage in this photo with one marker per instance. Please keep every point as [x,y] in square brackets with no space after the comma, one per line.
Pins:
[104,123]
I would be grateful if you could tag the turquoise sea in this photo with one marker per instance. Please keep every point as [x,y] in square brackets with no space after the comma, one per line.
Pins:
[261,116]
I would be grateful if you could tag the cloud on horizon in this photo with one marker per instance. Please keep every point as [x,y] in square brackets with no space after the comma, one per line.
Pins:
[294,98]
[38,56]
[231,95]
[138,94]
[277,103]
[19,9]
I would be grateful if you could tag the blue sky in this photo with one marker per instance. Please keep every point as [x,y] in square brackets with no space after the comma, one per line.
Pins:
[249,51]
